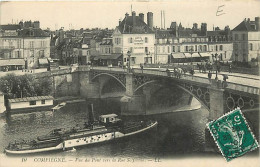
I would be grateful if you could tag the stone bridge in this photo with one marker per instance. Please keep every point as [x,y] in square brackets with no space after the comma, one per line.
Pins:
[215,95]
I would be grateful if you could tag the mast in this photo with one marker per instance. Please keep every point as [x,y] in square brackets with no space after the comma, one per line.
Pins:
[91,119]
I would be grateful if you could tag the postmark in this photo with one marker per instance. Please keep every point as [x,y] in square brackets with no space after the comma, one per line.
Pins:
[232,135]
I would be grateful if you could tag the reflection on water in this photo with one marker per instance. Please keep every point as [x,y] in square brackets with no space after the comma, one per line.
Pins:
[177,133]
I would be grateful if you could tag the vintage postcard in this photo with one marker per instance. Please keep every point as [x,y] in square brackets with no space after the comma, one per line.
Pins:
[129,83]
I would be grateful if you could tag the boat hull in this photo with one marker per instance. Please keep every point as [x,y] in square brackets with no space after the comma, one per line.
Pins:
[82,141]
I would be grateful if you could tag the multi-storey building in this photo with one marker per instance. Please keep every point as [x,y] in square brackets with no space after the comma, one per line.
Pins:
[246,39]
[220,44]
[134,35]
[23,45]
[178,44]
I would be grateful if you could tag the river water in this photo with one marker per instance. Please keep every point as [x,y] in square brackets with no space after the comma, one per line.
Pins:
[178,134]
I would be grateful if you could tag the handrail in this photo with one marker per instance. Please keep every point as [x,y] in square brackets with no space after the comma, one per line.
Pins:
[155,72]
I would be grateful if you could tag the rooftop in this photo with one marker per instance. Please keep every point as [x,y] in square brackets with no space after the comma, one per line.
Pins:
[30,99]
[127,26]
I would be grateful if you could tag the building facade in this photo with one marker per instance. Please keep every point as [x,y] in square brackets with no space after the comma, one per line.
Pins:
[26,42]
[135,36]
[246,39]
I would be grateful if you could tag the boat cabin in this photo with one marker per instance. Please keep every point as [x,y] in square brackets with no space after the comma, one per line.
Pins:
[109,118]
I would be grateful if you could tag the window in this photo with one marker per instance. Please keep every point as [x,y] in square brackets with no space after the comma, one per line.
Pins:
[163,40]
[205,47]
[221,47]
[18,43]
[251,46]
[109,50]
[235,46]
[117,41]
[131,49]
[163,49]
[146,49]
[236,36]
[173,48]
[168,49]
[244,36]
[32,103]
[146,40]
[200,48]
[42,44]
[41,53]
[158,41]
[31,44]
[18,54]
[130,40]
[216,47]
[196,48]
[186,48]
[43,101]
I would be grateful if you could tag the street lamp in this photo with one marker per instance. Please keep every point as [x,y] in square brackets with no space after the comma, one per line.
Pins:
[147,58]
[129,55]
[216,62]
[191,52]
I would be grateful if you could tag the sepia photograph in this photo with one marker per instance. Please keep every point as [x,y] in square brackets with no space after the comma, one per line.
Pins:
[129,83]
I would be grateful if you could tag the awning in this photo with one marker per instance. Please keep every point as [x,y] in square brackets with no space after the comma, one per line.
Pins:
[178,55]
[205,54]
[9,62]
[193,55]
[43,61]
[108,57]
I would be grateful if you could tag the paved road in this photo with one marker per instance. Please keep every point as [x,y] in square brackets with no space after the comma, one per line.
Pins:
[243,79]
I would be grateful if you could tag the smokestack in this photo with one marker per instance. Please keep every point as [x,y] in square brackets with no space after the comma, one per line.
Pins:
[141,15]
[164,18]
[150,20]
[257,23]
[161,18]
[91,114]
[134,18]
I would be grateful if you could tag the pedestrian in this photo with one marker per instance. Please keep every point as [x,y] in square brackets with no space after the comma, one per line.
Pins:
[230,68]
[209,75]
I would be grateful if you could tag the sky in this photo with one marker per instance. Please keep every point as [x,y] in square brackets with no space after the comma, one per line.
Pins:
[91,14]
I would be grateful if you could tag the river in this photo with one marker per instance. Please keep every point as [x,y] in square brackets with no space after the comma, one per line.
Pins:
[178,133]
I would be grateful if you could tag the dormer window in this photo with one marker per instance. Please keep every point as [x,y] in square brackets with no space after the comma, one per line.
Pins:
[31,33]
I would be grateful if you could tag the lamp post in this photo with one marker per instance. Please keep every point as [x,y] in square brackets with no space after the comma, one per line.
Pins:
[147,58]
[191,52]
[129,55]
[216,62]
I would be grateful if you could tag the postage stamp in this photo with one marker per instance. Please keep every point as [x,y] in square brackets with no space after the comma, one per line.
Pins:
[232,135]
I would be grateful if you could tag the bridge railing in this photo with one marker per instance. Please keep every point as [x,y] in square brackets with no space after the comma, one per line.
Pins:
[171,74]
[243,88]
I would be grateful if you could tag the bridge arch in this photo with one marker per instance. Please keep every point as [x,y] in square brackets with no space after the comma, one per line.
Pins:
[110,75]
[181,87]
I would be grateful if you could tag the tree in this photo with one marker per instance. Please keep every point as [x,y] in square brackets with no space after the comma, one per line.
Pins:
[25,86]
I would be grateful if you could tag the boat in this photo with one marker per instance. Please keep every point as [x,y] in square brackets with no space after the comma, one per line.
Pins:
[108,127]
[59,106]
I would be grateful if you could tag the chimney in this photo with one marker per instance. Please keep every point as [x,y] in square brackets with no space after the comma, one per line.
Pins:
[36,24]
[141,15]
[126,14]
[195,26]
[134,18]
[257,23]
[204,29]
[248,20]
[119,21]
[150,20]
